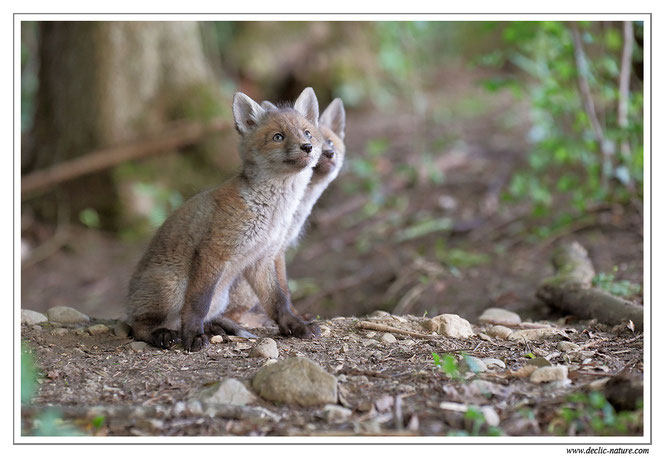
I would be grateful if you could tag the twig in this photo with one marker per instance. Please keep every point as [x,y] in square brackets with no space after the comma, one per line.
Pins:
[589,107]
[385,328]
[175,136]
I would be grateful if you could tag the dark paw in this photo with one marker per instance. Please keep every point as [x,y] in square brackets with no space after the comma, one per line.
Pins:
[195,342]
[213,329]
[165,338]
[296,327]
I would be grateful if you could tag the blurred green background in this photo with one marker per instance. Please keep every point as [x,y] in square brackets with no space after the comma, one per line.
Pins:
[471,148]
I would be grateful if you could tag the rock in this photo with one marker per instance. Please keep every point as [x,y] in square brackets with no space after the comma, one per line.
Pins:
[499,316]
[534,334]
[229,391]
[122,329]
[500,332]
[581,355]
[485,388]
[66,315]
[379,314]
[325,331]
[31,317]
[336,414]
[296,380]
[388,338]
[566,346]
[491,417]
[216,339]
[98,329]
[370,334]
[401,319]
[494,363]
[139,346]
[264,348]
[539,362]
[549,374]
[485,337]
[472,364]
[449,325]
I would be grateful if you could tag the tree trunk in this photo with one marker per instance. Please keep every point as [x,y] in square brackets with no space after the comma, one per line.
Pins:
[105,83]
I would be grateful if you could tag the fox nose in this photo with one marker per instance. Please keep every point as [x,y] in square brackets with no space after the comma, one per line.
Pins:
[329,153]
[306,147]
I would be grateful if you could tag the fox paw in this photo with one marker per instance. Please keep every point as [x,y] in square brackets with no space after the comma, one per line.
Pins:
[194,342]
[301,329]
[164,338]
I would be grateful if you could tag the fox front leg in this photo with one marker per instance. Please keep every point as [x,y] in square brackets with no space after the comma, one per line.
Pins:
[264,279]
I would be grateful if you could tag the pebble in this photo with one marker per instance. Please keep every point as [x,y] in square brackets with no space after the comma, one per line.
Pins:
[139,346]
[36,327]
[379,314]
[229,391]
[296,381]
[581,355]
[370,334]
[500,332]
[549,374]
[485,337]
[60,332]
[388,338]
[216,339]
[325,331]
[264,348]
[65,315]
[336,414]
[122,329]
[566,346]
[408,342]
[31,317]
[534,334]
[449,325]
[491,417]
[539,362]
[98,329]
[472,364]
[499,316]
[494,363]
[400,319]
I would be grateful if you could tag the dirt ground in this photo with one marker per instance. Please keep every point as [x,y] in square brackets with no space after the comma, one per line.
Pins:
[390,388]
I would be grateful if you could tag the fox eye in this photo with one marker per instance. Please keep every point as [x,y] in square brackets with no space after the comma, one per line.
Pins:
[330,143]
[278,137]
[308,134]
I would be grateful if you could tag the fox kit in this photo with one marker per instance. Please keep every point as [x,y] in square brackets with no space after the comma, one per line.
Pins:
[331,127]
[237,229]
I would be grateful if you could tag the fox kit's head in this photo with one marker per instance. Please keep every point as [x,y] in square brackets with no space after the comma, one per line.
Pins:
[283,141]
[331,126]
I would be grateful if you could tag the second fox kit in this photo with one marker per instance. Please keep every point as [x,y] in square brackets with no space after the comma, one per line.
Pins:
[181,284]
[331,126]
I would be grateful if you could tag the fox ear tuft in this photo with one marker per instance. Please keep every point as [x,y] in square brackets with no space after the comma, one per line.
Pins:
[246,112]
[308,106]
[268,105]
[334,117]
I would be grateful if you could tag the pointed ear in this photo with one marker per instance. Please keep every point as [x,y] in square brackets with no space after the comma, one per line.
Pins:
[334,117]
[246,112]
[307,105]
[268,105]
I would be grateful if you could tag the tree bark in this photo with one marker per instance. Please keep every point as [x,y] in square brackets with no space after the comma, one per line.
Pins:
[103,84]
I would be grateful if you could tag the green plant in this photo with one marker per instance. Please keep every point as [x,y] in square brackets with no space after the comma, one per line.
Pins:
[617,287]
[584,148]
[476,418]
[447,365]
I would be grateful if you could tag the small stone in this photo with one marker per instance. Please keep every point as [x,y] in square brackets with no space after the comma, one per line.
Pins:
[534,334]
[98,329]
[408,342]
[401,319]
[122,329]
[494,363]
[449,325]
[296,380]
[370,334]
[139,346]
[388,338]
[36,327]
[80,332]
[485,388]
[539,362]
[499,316]
[581,355]
[336,414]
[31,317]
[566,346]
[379,314]
[338,318]
[325,331]
[66,315]
[229,391]
[264,348]
[500,332]
[472,364]
[268,362]
[491,417]
[549,374]
[216,339]
[485,337]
